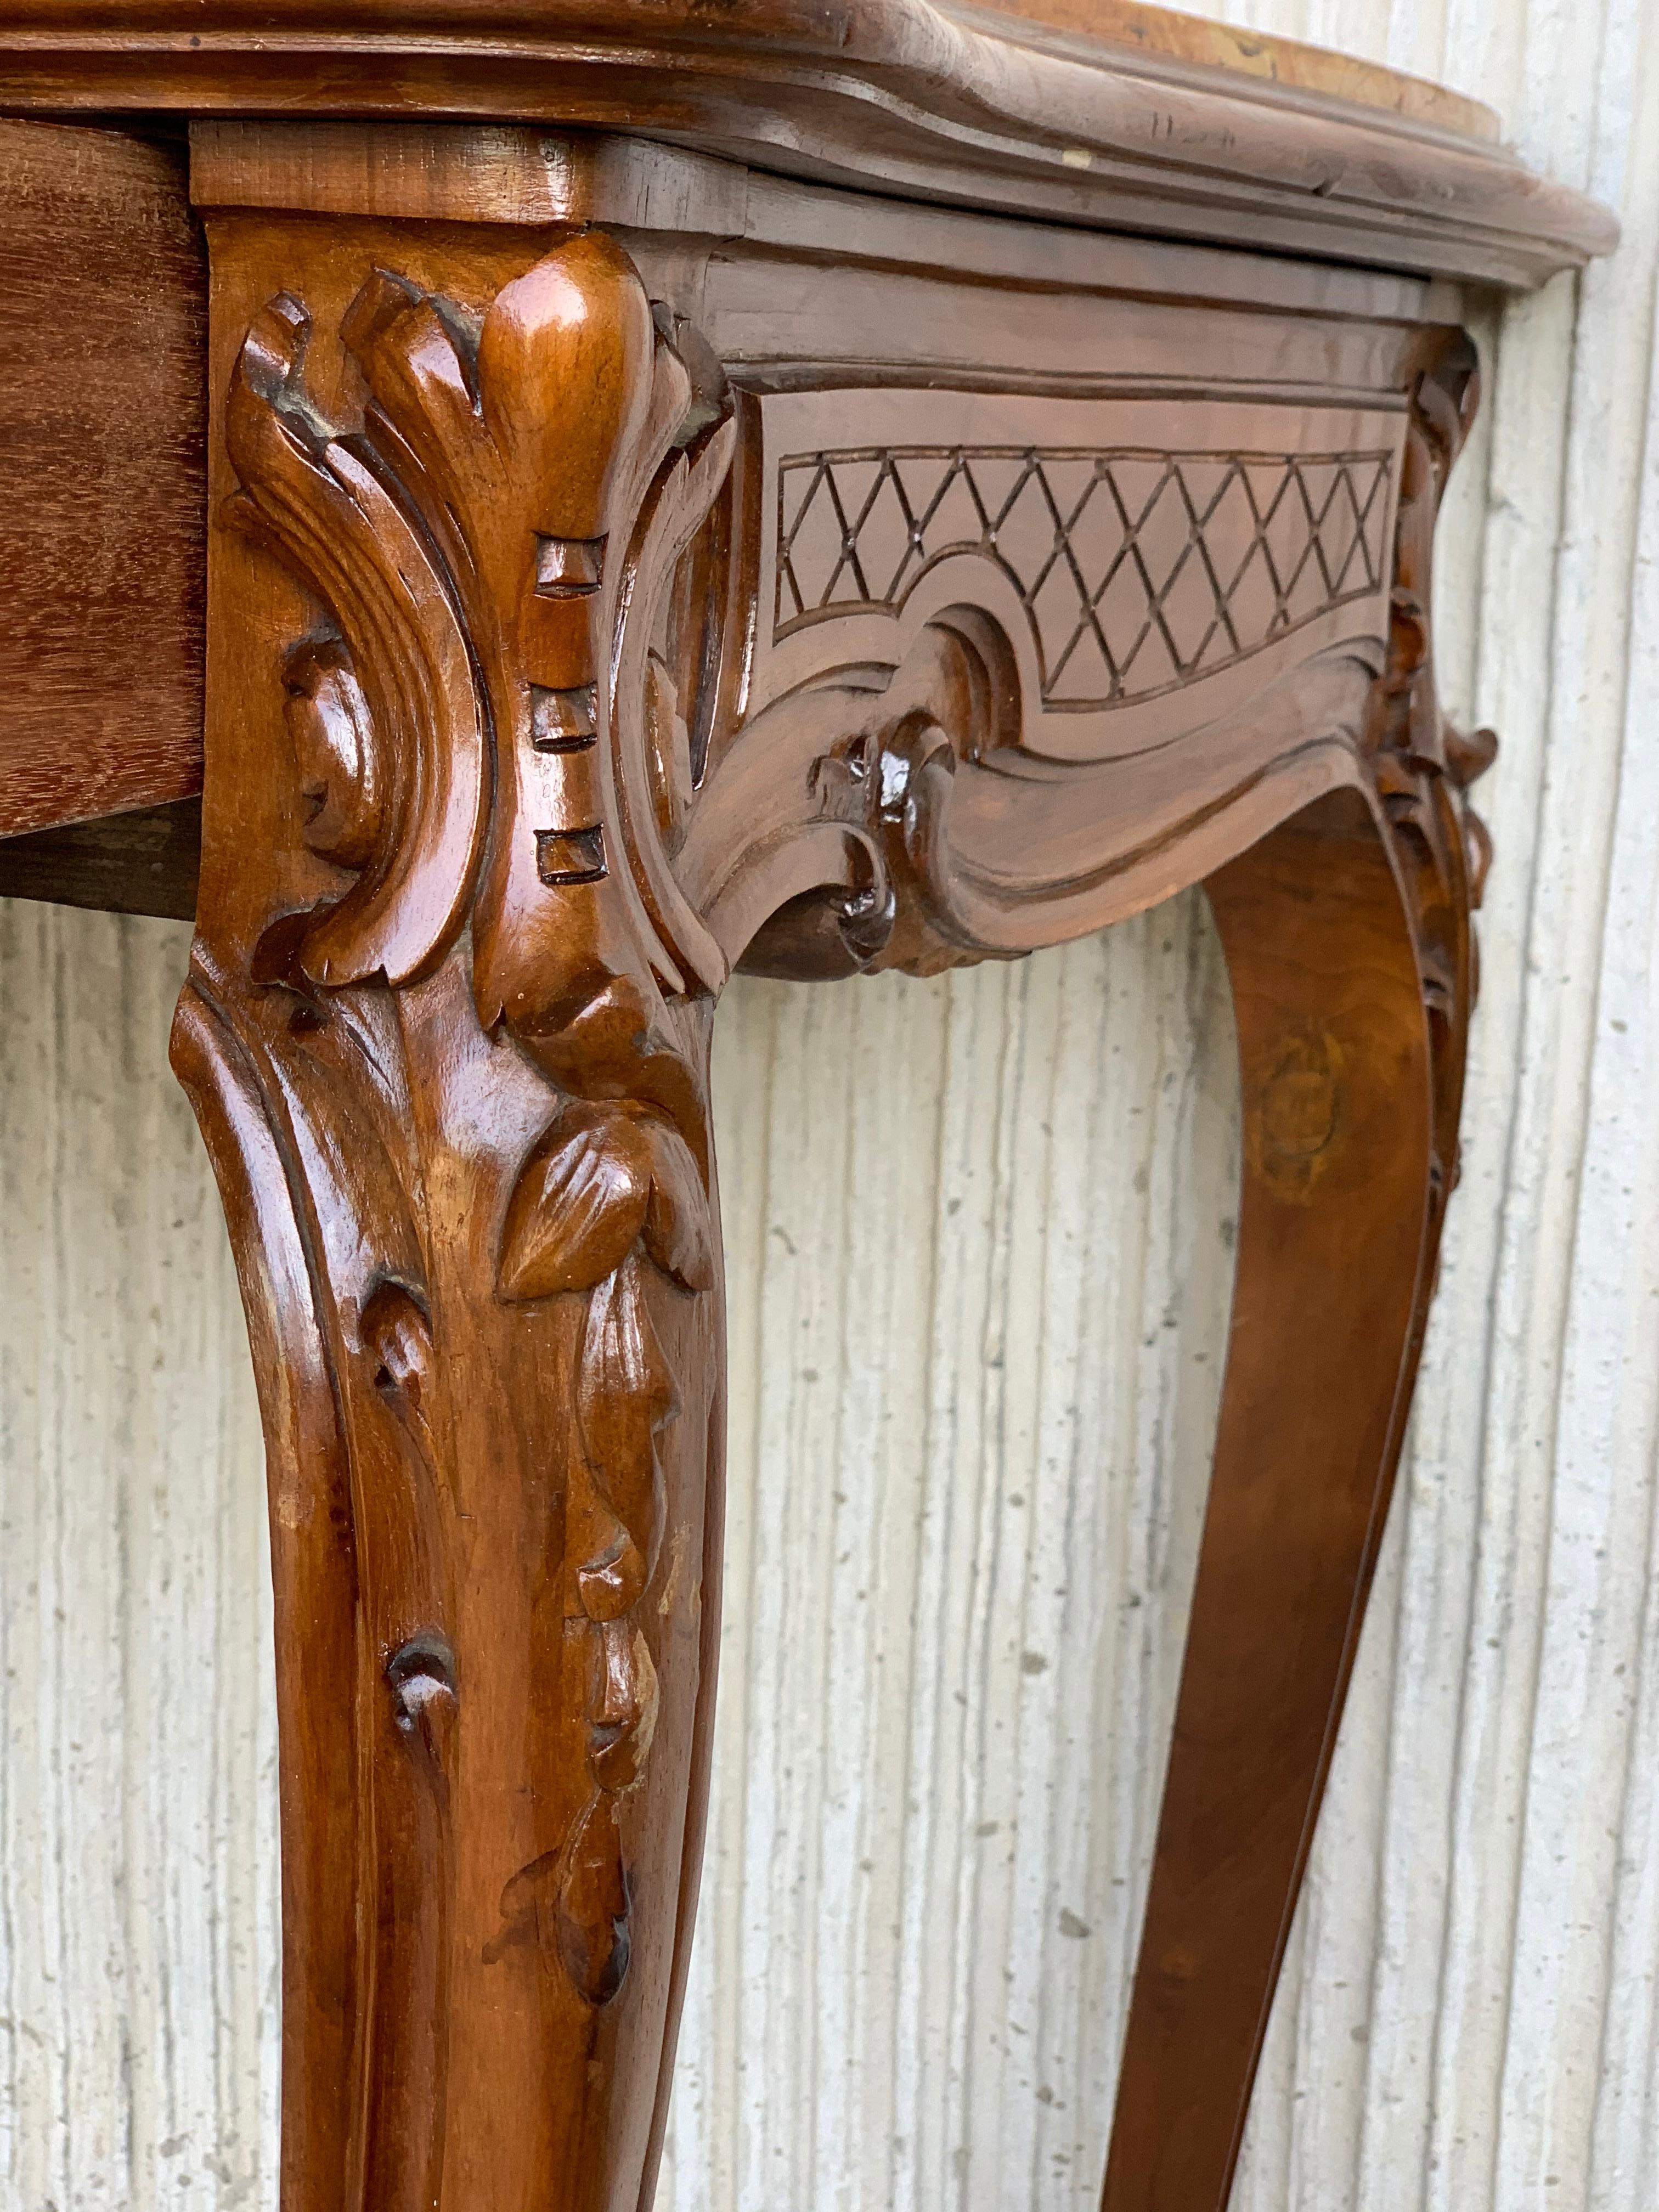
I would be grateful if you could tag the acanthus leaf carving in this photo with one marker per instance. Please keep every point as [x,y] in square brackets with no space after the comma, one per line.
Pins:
[485,741]
[1421,765]
[412,786]
[601,1178]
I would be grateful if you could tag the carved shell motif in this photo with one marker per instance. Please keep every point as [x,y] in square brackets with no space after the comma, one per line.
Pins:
[483,733]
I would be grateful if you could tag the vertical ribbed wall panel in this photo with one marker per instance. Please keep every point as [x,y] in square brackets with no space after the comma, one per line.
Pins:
[138,1749]
[979,1240]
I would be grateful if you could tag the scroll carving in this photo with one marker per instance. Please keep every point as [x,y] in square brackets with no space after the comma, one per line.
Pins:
[1029,664]
[1422,766]
[1087,658]
[475,1043]
[488,546]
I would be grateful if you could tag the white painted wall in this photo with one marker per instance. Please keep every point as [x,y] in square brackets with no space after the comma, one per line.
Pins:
[972,1414]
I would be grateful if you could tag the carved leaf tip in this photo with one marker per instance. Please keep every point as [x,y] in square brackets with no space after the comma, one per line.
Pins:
[273,348]
[396,1334]
[1470,755]
[270,369]
[573,1906]
[710,398]
[591,1909]
[382,297]
[676,1213]
[579,1206]
[599,1179]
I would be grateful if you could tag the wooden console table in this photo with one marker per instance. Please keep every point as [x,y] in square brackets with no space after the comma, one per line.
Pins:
[632,490]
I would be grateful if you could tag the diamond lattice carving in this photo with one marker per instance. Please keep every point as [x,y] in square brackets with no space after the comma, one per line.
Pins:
[1138,570]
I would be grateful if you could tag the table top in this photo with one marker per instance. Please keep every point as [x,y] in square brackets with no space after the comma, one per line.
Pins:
[1152,122]
[1170,34]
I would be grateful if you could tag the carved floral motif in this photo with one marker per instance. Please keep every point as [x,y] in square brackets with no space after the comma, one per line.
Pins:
[484,739]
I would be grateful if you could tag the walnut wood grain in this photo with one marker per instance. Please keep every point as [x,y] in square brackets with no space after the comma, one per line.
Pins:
[590,614]
[1167,34]
[1348,941]
[897,95]
[102,315]
[1070,310]
[1339,1163]
[628,559]
[451,1058]
[1342,1204]
[1155,32]
[147,861]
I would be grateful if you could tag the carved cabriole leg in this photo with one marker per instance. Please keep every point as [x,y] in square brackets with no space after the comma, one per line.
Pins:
[1348,941]
[446,1032]
[1332,1281]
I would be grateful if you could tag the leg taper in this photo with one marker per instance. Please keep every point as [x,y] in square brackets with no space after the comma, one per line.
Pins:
[1343,1181]
[1348,939]
[446,1031]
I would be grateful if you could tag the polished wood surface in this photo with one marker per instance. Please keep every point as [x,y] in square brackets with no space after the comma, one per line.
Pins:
[1081,311]
[896,96]
[1170,34]
[102,312]
[575,636]
[454,1072]
[625,563]
[1348,942]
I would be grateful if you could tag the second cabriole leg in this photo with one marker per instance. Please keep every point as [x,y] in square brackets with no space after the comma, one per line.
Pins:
[1350,1122]
[1348,937]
